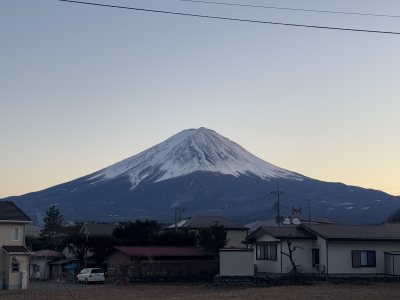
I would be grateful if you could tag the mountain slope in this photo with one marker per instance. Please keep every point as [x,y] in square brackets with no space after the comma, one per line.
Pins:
[204,172]
[190,151]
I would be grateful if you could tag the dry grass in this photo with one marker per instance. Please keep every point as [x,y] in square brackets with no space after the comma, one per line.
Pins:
[197,291]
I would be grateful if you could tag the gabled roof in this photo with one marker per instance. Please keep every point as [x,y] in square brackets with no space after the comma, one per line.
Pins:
[10,212]
[156,251]
[384,232]
[16,250]
[205,221]
[282,233]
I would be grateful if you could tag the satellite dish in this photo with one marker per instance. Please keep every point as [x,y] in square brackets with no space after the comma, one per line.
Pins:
[295,221]
[286,221]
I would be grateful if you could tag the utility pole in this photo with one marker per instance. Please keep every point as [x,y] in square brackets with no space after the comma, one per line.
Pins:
[277,205]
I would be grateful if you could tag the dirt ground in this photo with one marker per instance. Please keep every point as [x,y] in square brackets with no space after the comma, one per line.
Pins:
[56,290]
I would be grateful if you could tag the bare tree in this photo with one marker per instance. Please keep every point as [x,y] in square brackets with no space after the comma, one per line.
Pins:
[295,271]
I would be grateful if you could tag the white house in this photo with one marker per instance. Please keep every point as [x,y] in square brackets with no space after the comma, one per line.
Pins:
[325,248]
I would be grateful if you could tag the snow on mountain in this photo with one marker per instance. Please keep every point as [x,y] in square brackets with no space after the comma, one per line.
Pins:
[189,151]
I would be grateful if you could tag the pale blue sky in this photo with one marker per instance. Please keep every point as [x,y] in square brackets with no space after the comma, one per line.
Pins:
[83,87]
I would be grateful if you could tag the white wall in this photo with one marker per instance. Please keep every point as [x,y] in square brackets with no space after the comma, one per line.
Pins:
[340,259]
[236,262]
[267,266]
[302,256]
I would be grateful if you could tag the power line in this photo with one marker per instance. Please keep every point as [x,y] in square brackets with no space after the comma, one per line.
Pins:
[232,19]
[292,9]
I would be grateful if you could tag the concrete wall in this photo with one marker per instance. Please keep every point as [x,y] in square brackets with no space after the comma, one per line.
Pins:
[340,257]
[236,262]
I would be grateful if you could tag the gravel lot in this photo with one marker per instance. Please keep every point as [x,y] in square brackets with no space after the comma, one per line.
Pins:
[56,290]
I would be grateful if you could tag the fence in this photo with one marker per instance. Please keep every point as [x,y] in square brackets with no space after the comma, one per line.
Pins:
[159,270]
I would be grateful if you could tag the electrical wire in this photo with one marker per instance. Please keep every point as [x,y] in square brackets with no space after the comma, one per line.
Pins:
[232,19]
[292,9]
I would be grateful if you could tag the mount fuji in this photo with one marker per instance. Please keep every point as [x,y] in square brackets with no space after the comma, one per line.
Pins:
[203,172]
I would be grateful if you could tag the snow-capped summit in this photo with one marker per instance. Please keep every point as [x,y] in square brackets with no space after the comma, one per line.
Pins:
[189,151]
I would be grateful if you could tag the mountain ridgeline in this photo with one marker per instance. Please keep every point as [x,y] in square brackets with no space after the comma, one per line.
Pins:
[204,172]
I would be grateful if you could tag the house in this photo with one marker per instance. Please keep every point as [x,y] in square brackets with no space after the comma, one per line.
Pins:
[161,261]
[236,233]
[40,268]
[14,256]
[354,248]
[325,248]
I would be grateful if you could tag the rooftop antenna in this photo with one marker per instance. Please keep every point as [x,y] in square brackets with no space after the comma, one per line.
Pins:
[277,204]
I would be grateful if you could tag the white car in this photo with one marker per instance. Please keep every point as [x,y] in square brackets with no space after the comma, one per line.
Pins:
[90,275]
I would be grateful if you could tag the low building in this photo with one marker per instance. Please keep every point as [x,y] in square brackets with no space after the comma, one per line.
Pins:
[40,264]
[325,248]
[14,256]
[156,262]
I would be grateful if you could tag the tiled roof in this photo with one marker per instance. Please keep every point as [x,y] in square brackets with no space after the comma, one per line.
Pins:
[162,251]
[282,232]
[16,249]
[355,232]
[203,221]
[10,212]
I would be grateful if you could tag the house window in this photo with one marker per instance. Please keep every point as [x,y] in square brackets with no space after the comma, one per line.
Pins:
[315,257]
[14,265]
[15,234]
[266,251]
[363,258]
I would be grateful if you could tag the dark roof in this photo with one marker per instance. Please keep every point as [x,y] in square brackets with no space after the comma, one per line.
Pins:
[162,251]
[16,249]
[355,232]
[204,221]
[10,212]
[99,228]
[261,223]
[282,232]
